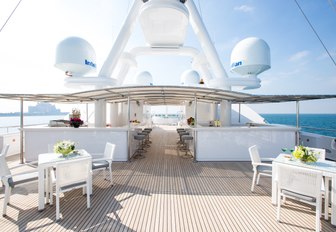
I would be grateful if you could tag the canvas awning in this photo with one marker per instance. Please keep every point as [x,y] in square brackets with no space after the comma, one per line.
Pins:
[161,95]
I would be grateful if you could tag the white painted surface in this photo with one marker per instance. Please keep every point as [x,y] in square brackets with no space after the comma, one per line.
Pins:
[92,140]
[232,143]
[13,140]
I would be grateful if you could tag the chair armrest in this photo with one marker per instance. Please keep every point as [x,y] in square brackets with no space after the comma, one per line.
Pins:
[101,159]
[267,164]
[262,164]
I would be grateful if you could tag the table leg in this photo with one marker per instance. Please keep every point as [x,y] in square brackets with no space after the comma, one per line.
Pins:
[333,200]
[90,185]
[41,189]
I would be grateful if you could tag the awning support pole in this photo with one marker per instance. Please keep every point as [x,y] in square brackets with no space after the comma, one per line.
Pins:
[297,142]
[21,131]
[129,127]
[195,130]
[239,113]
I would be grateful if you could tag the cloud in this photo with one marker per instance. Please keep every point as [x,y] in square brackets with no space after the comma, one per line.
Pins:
[299,56]
[244,8]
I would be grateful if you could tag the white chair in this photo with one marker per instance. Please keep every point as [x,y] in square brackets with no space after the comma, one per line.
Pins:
[105,161]
[73,174]
[300,184]
[9,180]
[321,155]
[259,168]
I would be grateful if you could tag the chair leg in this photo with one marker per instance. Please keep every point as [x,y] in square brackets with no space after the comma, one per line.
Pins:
[88,196]
[318,214]
[47,185]
[8,191]
[326,199]
[258,179]
[279,206]
[253,180]
[110,170]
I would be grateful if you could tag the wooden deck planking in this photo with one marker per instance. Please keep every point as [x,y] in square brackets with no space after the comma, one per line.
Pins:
[164,192]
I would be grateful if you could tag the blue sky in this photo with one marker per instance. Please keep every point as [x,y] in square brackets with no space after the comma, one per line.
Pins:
[299,63]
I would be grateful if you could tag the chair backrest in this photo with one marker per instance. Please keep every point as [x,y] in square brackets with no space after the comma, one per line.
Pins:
[254,154]
[71,172]
[109,151]
[333,143]
[4,170]
[299,180]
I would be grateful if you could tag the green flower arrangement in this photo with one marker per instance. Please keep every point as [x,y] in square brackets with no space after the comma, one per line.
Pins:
[64,147]
[304,154]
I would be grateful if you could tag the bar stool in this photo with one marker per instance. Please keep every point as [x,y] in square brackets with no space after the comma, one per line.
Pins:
[146,140]
[186,140]
[182,133]
[149,130]
[140,149]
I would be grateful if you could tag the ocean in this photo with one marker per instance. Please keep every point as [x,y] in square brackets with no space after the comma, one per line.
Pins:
[324,124]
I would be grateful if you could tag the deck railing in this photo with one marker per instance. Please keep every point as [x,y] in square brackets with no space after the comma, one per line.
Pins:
[15,128]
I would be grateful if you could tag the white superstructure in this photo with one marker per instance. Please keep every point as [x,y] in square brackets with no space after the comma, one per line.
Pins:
[164,24]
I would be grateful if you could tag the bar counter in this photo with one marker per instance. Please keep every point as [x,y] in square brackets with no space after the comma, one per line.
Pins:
[93,140]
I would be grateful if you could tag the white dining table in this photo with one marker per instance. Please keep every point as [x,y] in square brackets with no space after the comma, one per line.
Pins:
[328,169]
[47,161]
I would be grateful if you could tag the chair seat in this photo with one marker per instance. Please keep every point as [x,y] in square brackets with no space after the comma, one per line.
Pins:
[298,196]
[139,137]
[23,178]
[187,137]
[100,164]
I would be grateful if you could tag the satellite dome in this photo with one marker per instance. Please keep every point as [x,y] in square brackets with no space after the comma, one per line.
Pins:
[190,78]
[164,23]
[144,78]
[75,55]
[250,56]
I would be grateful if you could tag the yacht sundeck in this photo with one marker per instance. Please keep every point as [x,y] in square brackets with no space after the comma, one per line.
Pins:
[205,94]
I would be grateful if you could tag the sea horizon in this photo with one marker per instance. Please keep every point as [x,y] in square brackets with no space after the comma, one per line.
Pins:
[324,124]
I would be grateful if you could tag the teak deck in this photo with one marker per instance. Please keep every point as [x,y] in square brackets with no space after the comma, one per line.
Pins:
[163,192]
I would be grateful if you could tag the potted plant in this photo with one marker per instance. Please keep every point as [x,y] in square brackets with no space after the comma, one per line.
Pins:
[75,120]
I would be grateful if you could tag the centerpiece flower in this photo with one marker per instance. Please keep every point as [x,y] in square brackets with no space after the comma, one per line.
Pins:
[305,155]
[64,147]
